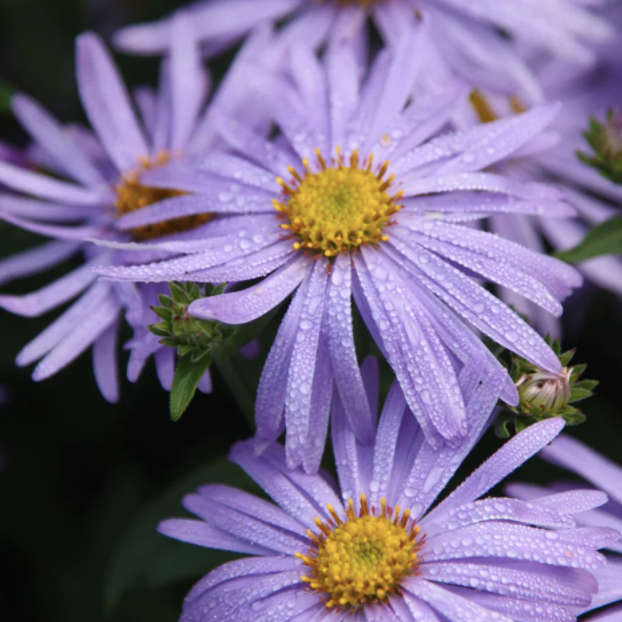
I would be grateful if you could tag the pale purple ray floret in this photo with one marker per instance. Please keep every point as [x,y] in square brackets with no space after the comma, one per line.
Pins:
[605,476]
[466,34]
[77,202]
[417,284]
[477,560]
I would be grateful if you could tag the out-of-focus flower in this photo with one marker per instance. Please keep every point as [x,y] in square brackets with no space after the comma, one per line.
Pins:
[606,476]
[372,550]
[355,197]
[584,94]
[474,39]
[96,178]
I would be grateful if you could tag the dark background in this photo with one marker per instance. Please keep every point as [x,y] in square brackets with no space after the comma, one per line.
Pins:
[84,483]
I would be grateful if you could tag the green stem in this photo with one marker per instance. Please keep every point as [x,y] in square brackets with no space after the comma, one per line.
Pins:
[238,389]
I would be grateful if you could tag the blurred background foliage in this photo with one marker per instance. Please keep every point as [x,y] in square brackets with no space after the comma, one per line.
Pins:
[84,483]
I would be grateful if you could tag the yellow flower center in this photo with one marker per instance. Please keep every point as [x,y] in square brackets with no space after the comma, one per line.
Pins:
[363,559]
[337,208]
[132,195]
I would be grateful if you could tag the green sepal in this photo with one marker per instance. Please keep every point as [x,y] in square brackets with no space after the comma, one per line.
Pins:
[188,373]
[502,426]
[603,239]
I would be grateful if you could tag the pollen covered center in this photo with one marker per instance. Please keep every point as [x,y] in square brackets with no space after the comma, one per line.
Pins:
[337,208]
[132,196]
[363,559]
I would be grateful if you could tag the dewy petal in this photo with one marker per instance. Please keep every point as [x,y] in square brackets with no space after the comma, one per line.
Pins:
[241,568]
[453,607]
[302,367]
[432,468]
[496,270]
[568,548]
[251,505]
[270,404]
[386,443]
[354,461]
[107,103]
[343,352]
[249,304]
[501,464]
[486,144]
[54,139]
[485,311]
[242,526]
[302,496]
[253,266]
[517,610]
[495,509]
[413,349]
[321,399]
[553,585]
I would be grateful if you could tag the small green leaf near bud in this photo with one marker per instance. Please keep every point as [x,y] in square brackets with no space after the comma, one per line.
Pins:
[605,139]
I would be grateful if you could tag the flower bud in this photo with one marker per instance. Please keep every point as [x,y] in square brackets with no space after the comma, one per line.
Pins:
[543,392]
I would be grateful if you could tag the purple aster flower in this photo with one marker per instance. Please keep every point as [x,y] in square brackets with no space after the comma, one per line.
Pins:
[474,39]
[606,476]
[340,220]
[96,177]
[372,550]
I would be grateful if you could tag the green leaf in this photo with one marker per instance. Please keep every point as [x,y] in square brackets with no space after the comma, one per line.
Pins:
[604,239]
[187,376]
[144,558]
[6,93]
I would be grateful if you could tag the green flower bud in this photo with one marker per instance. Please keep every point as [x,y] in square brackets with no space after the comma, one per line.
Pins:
[544,392]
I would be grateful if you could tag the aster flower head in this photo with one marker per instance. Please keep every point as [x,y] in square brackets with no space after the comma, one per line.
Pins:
[359,196]
[94,178]
[605,476]
[371,549]
[466,35]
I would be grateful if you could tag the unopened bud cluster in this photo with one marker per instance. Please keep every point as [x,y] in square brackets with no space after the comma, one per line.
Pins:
[178,329]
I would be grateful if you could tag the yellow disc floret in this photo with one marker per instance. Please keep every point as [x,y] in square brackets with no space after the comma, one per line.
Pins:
[362,559]
[132,195]
[337,208]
